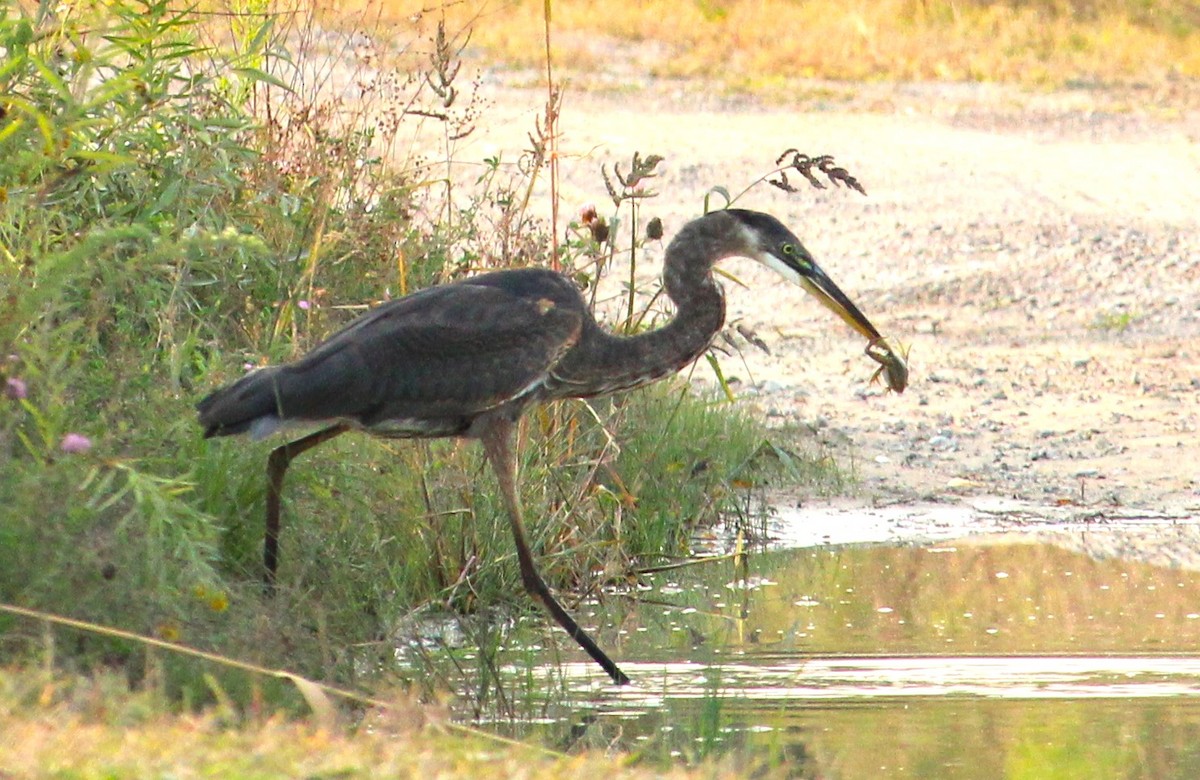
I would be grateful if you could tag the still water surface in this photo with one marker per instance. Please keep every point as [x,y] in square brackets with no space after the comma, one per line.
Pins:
[956,660]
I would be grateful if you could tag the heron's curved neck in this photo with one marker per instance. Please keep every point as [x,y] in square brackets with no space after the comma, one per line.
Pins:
[604,362]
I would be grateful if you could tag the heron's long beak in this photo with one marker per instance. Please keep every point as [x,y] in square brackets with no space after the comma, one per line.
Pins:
[813,279]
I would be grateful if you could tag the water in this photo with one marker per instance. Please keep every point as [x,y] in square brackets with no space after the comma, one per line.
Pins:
[948,659]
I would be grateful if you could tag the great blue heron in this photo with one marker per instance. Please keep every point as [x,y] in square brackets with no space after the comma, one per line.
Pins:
[466,359]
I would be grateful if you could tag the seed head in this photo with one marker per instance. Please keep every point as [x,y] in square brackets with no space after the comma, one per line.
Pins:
[599,230]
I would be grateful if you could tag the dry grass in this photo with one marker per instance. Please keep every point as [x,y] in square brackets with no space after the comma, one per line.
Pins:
[1043,42]
[85,728]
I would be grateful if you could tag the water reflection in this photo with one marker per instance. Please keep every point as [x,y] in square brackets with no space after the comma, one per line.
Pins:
[919,737]
[956,660]
[989,599]
[1027,677]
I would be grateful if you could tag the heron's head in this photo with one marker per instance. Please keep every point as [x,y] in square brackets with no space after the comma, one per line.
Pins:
[773,245]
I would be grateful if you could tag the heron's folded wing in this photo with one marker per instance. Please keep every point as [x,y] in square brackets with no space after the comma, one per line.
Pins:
[450,351]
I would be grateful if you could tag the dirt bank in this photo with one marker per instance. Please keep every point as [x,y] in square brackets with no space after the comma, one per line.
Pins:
[1040,254]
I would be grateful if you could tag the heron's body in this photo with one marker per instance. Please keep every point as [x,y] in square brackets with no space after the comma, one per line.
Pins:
[465,359]
[428,364]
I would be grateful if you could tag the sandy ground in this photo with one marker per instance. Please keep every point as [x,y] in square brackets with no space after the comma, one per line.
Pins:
[1038,253]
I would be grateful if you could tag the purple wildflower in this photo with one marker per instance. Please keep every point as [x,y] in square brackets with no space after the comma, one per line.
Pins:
[303,304]
[15,388]
[75,443]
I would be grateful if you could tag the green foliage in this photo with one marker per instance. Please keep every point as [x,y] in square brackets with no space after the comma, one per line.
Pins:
[173,210]
[682,457]
[137,244]
[1113,321]
[117,165]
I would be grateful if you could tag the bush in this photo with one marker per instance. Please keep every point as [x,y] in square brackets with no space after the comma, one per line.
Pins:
[150,247]
[173,210]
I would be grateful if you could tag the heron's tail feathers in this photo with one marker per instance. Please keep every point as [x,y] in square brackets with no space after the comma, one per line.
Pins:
[247,405]
[325,386]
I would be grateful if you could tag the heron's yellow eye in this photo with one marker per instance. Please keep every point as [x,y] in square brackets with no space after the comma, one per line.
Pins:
[792,253]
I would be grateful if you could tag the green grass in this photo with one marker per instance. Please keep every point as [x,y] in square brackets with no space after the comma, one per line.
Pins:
[1113,321]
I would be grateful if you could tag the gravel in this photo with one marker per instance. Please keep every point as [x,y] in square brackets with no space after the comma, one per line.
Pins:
[1039,255]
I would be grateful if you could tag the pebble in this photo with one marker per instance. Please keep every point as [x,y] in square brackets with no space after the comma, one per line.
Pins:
[770,386]
[940,442]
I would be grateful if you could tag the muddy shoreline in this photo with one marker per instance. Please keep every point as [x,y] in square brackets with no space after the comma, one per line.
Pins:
[1037,253]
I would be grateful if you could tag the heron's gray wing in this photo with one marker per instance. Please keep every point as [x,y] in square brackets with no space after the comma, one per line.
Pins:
[444,354]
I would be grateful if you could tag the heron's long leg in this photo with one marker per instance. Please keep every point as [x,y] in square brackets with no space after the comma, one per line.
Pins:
[277,465]
[496,435]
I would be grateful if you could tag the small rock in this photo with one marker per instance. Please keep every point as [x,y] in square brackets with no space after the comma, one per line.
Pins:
[940,442]
[770,386]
